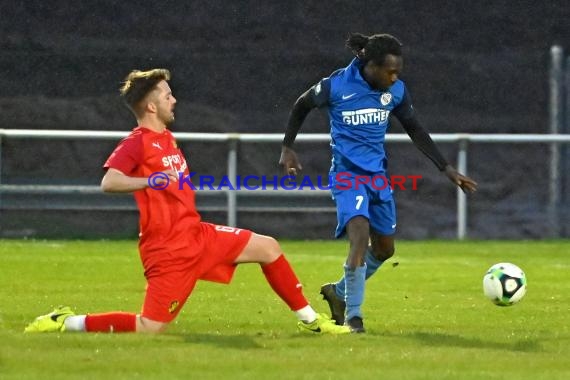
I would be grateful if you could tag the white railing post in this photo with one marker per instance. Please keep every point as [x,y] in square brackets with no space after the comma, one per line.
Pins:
[565,155]
[556,108]
[232,174]
[461,197]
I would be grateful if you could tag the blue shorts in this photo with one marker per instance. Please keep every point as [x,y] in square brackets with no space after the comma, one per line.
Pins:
[367,195]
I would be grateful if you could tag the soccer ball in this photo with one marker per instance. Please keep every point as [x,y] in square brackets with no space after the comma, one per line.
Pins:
[504,284]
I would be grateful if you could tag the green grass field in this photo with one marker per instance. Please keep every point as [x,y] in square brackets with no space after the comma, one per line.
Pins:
[426,318]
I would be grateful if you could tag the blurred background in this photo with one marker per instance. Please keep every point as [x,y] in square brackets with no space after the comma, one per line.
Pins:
[238,66]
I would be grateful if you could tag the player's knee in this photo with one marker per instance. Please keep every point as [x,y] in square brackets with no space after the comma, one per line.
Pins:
[384,253]
[260,249]
[268,250]
[273,250]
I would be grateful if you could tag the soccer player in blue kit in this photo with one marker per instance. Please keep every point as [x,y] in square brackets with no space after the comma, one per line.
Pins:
[360,98]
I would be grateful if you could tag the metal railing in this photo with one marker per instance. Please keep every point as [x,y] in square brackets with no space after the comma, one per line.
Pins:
[232,140]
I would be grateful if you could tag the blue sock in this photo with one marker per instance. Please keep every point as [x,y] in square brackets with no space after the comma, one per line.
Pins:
[354,290]
[372,265]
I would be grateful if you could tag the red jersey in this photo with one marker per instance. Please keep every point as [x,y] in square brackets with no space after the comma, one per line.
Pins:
[168,218]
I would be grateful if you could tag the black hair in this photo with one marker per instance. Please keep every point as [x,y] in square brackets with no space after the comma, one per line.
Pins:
[374,48]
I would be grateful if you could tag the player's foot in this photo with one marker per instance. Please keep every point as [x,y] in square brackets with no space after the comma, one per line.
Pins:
[323,325]
[356,325]
[53,321]
[336,305]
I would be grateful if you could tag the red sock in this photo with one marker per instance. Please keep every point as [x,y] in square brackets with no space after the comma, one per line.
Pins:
[284,282]
[111,322]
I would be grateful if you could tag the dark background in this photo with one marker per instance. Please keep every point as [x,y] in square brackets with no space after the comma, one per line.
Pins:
[476,67]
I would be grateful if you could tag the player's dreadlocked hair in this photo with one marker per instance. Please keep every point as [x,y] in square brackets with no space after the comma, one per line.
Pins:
[138,84]
[373,48]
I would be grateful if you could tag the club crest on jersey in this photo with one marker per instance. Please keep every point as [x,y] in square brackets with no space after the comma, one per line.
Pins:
[385,98]
[173,306]
[174,144]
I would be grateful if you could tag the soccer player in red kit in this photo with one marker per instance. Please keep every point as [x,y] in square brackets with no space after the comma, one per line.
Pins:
[176,247]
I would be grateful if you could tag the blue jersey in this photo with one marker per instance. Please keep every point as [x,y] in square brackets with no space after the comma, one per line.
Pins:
[359,116]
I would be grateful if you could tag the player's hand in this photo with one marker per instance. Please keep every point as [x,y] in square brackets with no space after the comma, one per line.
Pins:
[289,161]
[172,175]
[465,183]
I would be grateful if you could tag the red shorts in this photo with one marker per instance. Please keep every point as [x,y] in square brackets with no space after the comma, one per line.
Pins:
[210,256]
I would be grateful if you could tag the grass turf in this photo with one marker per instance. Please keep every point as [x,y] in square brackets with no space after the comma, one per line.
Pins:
[426,317]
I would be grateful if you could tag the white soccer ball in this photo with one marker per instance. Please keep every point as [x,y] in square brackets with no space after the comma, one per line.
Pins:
[504,284]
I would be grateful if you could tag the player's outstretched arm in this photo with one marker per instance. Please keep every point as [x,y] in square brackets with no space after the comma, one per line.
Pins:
[115,181]
[289,160]
[425,144]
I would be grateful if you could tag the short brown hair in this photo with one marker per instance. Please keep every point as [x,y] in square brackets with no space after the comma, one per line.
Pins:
[138,84]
